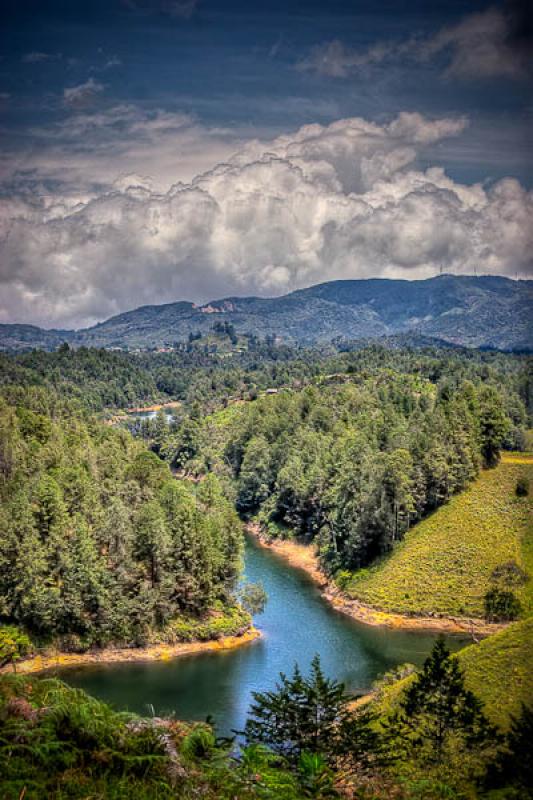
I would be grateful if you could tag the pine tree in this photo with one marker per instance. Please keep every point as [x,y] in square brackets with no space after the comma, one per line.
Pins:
[437,706]
[514,764]
[309,715]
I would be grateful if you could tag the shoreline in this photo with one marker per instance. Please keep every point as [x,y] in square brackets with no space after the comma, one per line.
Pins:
[158,652]
[155,407]
[303,557]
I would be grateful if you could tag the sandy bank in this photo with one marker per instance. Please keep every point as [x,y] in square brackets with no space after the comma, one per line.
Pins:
[159,652]
[304,557]
[156,407]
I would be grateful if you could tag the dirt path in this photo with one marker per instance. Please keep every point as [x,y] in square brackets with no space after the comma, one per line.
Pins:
[304,557]
[160,652]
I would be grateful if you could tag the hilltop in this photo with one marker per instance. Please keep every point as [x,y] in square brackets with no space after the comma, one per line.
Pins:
[485,311]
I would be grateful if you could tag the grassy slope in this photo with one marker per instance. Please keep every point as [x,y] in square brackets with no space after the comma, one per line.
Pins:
[445,562]
[498,671]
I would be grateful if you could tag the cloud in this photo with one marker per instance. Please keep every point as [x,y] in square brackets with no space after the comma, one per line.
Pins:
[328,202]
[485,45]
[336,60]
[490,44]
[84,152]
[82,95]
[36,57]
[109,63]
[179,9]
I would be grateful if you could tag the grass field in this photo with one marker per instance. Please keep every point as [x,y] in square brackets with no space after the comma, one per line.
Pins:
[498,671]
[445,562]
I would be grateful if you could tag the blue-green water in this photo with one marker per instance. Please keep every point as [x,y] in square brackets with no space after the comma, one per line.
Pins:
[296,624]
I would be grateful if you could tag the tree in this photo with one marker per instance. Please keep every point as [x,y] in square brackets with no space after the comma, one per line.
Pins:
[255,475]
[396,489]
[14,645]
[501,605]
[493,424]
[159,430]
[253,598]
[514,763]
[152,540]
[308,715]
[437,707]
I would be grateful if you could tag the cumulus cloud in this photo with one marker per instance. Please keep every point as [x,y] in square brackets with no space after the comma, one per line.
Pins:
[325,202]
[83,154]
[82,95]
[490,44]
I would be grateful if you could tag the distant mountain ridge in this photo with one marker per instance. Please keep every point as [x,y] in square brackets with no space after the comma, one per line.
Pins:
[486,311]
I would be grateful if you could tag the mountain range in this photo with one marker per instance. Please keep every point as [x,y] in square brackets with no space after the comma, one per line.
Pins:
[486,311]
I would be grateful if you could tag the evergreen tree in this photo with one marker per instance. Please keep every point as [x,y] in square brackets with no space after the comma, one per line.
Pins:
[437,707]
[255,474]
[514,763]
[309,715]
[494,425]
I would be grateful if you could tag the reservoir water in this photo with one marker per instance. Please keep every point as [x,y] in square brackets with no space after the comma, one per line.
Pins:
[296,624]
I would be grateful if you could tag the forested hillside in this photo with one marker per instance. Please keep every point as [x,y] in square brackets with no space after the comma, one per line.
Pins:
[99,543]
[484,311]
[131,534]
[477,547]
[354,460]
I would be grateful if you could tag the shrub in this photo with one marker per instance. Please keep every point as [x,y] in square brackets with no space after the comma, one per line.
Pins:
[343,578]
[199,743]
[509,574]
[522,487]
[14,645]
[501,605]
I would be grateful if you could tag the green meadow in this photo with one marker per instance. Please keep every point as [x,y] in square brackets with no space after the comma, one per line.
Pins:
[444,564]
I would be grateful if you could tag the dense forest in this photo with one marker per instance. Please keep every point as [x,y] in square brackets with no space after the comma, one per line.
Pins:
[357,456]
[128,531]
[350,450]
[98,542]
[209,370]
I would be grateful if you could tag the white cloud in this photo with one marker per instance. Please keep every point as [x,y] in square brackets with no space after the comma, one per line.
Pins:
[36,57]
[86,151]
[336,60]
[325,202]
[82,95]
[480,46]
[493,43]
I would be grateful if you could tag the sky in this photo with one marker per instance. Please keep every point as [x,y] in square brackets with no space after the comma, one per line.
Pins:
[162,150]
